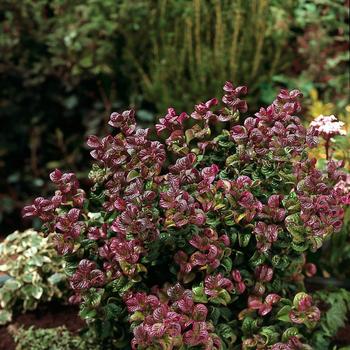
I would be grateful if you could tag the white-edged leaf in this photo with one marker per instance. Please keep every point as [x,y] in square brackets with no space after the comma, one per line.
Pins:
[5,317]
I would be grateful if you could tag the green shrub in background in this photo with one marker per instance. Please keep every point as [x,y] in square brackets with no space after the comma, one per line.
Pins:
[324,47]
[322,56]
[36,273]
[55,59]
[186,49]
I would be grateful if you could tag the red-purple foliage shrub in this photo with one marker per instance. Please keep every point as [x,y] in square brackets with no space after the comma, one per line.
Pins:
[198,242]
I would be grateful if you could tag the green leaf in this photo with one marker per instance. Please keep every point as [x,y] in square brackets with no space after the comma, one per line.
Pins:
[227,264]
[12,285]
[86,61]
[283,313]
[213,221]
[223,298]
[118,284]
[86,312]
[28,278]
[30,304]
[270,335]
[295,228]
[93,297]
[5,317]
[112,311]
[36,291]
[137,316]
[36,260]
[288,333]
[56,278]
[214,314]
[248,325]
[36,240]
[189,277]
[199,295]
[133,174]
[280,262]
[244,239]
[5,297]
[257,259]
[127,286]
[70,267]
[301,247]
[226,332]
[96,217]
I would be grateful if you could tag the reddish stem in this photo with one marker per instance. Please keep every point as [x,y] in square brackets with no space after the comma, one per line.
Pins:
[327,145]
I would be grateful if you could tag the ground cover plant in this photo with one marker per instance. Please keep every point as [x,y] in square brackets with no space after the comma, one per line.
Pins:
[58,338]
[35,273]
[189,240]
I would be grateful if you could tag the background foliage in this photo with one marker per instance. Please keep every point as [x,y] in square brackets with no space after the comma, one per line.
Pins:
[65,65]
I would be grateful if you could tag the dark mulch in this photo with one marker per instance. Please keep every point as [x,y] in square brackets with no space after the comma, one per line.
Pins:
[48,316]
[343,336]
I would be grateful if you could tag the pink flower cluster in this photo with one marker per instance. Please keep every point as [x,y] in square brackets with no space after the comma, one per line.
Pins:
[328,126]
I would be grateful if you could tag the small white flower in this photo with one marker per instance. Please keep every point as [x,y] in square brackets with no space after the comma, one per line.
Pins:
[328,126]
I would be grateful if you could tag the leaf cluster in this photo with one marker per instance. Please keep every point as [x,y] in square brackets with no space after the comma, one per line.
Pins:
[35,270]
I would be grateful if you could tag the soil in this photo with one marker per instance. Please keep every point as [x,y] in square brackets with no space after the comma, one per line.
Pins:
[343,336]
[48,316]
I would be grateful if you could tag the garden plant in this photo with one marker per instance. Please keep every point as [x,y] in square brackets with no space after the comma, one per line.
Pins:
[58,338]
[34,270]
[195,236]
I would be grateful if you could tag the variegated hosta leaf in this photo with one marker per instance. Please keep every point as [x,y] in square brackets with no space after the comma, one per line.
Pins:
[5,317]
[32,264]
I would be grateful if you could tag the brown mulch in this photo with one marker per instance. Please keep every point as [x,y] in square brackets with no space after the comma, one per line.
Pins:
[49,316]
[343,336]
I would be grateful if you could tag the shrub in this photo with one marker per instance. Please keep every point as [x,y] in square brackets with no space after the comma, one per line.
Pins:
[198,241]
[35,270]
[323,48]
[58,338]
[212,40]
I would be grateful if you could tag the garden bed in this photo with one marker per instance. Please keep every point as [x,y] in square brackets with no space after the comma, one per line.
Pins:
[49,316]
